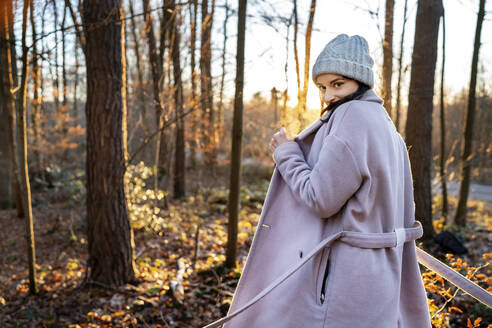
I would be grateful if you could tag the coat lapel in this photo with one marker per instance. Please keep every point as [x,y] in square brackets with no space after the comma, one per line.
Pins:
[312,128]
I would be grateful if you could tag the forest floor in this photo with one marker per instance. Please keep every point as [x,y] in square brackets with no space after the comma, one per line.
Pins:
[173,291]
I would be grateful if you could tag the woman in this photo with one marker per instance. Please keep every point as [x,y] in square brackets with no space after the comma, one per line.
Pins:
[343,183]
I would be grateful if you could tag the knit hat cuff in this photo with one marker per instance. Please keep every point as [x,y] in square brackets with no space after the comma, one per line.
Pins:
[344,67]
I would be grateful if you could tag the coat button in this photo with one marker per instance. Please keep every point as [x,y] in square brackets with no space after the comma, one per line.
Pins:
[300,254]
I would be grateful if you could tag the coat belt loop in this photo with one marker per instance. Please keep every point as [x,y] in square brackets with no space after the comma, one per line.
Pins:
[400,236]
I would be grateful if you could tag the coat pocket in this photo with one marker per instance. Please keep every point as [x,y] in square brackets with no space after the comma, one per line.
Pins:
[323,272]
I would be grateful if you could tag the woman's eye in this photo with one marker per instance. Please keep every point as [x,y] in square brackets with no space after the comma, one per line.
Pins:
[322,88]
[337,84]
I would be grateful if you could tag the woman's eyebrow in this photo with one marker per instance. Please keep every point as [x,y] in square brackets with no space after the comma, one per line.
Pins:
[338,78]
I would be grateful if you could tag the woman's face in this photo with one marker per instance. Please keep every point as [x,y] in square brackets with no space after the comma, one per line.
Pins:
[333,87]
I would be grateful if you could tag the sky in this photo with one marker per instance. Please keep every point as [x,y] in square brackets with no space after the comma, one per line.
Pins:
[265,48]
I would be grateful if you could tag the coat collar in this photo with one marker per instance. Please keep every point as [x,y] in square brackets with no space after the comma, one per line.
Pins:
[312,128]
[370,95]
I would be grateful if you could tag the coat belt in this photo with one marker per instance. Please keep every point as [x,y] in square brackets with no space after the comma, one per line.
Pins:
[357,239]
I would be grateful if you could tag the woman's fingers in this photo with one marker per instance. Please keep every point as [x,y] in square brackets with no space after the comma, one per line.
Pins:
[278,138]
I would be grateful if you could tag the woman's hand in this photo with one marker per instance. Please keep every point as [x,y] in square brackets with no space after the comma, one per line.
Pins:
[279,138]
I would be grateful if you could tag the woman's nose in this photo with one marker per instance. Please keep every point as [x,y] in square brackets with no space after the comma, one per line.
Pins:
[328,98]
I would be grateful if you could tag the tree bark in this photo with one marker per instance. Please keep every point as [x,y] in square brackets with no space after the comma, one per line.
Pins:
[64,63]
[9,82]
[466,152]
[302,92]
[220,114]
[110,235]
[296,59]
[419,116]
[5,169]
[193,6]
[400,69]
[274,102]
[56,76]
[76,81]
[285,93]
[237,133]
[141,85]
[179,160]
[388,55]
[22,156]
[157,82]
[37,99]
[6,103]
[208,119]
[307,57]
[442,159]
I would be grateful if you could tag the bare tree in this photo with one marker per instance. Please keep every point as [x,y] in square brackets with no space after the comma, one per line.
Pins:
[442,158]
[140,79]
[179,160]
[220,114]
[466,152]
[274,102]
[10,87]
[193,9]
[110,235]
[419,116]
[237,133]
[37,98]
[388,55]
[400,68]
[208,120]
[157,76]
[64,62]
[302,93]
[296,59]
[56,74]
[22,155]
[6,105]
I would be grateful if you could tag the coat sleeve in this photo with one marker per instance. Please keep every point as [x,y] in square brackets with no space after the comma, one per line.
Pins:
[327,186]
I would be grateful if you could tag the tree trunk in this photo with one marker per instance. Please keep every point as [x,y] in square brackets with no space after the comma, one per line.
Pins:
[208,119]
[22,156]
[157,76]
[193,6]
[285,93]
[64,63]
[302,92]
[179,161]
[419,116]
[296,58]
[110,236]
[400,68]
[37,99]
[5,169]
[237,134]
[307,56]
[274,102]
[80,40]
[466,152]
[388,55]
[76,81]
[141,85]
[56,76]
[442,159]
[220,114]
[8,83]
[6,103]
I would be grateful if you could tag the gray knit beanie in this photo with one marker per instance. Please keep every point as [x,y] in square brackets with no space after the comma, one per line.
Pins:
[348,56]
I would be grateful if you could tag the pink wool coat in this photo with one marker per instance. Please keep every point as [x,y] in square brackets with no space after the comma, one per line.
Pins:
[350,174]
